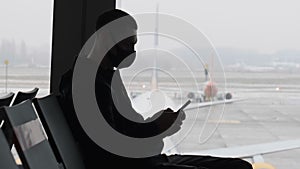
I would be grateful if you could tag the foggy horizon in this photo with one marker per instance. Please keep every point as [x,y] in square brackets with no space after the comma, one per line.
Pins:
[251,32]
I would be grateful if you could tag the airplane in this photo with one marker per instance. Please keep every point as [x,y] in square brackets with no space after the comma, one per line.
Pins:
[255,152]
[209,92]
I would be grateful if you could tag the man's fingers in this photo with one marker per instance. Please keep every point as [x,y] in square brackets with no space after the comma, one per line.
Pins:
[169,109]
[182,115]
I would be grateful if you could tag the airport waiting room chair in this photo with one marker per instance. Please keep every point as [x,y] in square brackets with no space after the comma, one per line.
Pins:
[22,96]
[31,142]
[19,97]
[6,159]
[6,100]
[58,131]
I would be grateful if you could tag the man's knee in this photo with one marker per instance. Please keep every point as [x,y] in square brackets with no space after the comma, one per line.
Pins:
[244,165]
[237,163]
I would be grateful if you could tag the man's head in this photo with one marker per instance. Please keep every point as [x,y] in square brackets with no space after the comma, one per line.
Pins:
[123,53]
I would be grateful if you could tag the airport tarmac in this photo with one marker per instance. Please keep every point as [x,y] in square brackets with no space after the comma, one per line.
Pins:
[269,114]
[263,118]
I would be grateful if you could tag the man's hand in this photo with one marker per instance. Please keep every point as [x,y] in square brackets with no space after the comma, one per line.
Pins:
[169,121]
[173,122]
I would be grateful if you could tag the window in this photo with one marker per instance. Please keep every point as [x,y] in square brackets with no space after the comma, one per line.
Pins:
[25,45]
[258,46]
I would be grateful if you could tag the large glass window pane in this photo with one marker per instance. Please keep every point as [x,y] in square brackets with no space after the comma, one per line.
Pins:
[258,45]
[25,45]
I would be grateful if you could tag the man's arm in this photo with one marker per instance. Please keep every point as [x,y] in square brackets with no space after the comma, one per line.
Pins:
[116,107]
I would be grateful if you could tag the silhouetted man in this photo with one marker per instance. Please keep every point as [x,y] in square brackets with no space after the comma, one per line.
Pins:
[113,102]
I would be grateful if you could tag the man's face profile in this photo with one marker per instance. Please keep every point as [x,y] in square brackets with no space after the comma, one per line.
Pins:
[124,52]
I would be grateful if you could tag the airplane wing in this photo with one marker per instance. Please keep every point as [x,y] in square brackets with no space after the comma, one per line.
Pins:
[180,90]
[250,150]
[254,152]
[211,103]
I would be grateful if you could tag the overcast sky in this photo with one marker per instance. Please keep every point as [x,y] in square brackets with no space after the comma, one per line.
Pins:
[28,20]
[262,25]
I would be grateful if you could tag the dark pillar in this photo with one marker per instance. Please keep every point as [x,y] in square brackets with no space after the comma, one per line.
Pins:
[73,23]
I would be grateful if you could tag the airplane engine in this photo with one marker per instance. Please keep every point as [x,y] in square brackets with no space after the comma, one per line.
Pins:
[191,95]
[228,96]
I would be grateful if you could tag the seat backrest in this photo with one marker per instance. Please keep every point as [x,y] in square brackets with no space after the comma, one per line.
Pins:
[6,159]
[58,131]
[22,96]
[31,142]
[6,100]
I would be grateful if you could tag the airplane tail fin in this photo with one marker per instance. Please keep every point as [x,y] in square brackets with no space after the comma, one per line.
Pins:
[154,81]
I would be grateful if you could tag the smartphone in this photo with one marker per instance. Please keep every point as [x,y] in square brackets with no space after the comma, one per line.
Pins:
[184,106]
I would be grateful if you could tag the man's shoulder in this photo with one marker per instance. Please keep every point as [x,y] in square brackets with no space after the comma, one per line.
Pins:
[65,86]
